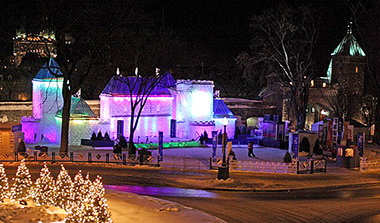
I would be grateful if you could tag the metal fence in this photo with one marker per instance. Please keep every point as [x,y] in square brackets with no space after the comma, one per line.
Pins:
[185,163]
[81,157]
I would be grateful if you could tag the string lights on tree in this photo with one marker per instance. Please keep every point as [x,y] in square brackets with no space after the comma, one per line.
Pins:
[63,189]
[76,212]
[82,199]
[4,187]
[44,190]
[100,202]
[22,184]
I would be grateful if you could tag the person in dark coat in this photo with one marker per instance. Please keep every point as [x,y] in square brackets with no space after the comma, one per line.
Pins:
[287,157]
[250,150]
[205,136]
[21,146]
[317,149]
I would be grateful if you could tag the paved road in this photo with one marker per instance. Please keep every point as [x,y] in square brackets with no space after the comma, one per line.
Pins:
[347,205]
[344,205]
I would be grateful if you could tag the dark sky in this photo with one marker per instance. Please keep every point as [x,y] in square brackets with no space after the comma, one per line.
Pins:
[221,28]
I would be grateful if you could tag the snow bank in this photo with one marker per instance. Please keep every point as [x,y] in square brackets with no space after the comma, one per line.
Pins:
[15,212]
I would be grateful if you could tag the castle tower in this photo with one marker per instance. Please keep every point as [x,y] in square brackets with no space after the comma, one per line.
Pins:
[47,101]
[347,63]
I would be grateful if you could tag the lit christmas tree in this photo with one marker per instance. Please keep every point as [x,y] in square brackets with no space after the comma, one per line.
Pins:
[43,192]
[100,202]
[76,212]
[4,187]
[89,212]
[22,185]
[63,189]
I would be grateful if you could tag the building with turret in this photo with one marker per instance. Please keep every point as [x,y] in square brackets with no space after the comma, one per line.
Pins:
[180,109]
[343,82]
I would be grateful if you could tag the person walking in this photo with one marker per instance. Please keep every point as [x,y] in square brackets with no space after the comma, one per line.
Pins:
[250,150]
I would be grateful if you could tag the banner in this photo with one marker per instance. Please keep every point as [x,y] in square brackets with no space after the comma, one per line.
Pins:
[335,131]
[340,130]
[295,145]
[214,143]
[172,128]
[350,133]
[329,134]
[229,148]
[161,145]
[361,143]
[325,132]
[345,131]
[320,133]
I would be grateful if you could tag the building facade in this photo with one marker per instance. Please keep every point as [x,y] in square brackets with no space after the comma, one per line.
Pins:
[180,109]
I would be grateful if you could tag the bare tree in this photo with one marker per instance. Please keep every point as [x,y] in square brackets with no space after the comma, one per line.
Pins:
[283,43]
[139,89]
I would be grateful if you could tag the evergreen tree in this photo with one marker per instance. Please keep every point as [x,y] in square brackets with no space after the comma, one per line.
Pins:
[89,211]
[63,190]
[44,190]
[76,212]
[100,202]
[4,187]
[22,185]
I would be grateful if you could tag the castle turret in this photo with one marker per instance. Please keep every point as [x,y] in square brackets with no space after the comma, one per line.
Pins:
[347,63]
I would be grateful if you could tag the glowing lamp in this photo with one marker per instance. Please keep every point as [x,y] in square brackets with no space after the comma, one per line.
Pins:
[225,121]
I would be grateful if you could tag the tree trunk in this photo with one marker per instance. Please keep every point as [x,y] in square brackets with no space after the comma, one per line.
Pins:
[64,148]
[377,122]
[131,144]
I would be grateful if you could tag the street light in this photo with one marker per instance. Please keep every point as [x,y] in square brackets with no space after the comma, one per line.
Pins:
[223,171]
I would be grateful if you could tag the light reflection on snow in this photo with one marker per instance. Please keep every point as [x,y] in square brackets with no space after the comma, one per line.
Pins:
[162,191]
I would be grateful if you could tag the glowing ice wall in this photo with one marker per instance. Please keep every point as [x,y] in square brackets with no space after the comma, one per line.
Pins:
[194,101]
[230,126]
[147,126]
[47,97]
[155,116]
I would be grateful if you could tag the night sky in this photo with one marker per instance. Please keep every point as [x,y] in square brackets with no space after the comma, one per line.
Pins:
[221,28]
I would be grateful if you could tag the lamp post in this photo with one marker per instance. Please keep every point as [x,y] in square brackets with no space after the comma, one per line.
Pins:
[223,171]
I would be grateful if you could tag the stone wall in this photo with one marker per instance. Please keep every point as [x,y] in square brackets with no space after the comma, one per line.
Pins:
[369,164]
[12,112]
[266,167]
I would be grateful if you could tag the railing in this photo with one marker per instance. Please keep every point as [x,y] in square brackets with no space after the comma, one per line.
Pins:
[185,163]
[84,157]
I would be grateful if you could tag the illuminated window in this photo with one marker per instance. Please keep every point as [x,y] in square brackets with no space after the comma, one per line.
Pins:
[312,83]
[357,69]
[324,84]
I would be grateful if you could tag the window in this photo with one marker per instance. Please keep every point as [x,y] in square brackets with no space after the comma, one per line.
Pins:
[357,69]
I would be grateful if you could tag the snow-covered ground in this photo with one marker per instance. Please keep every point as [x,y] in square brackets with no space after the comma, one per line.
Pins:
[128,207]
[12,212]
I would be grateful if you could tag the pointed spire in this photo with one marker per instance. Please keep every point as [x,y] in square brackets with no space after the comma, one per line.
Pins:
[349,27]
[157,71]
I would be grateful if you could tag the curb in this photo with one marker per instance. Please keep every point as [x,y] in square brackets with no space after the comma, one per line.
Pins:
[291,189]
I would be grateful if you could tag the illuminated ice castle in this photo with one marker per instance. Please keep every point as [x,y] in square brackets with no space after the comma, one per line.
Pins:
[187,110]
